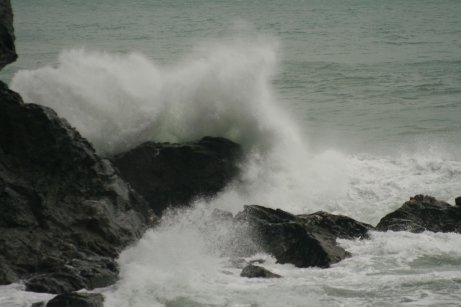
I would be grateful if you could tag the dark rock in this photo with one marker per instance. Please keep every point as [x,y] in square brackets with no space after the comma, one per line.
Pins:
[303,240]
[39,304]
[77,300]
[65,212]
[7,48]
[340,226]
[458,201]
[254,271]
[174,174]
[313,250]
[423,213]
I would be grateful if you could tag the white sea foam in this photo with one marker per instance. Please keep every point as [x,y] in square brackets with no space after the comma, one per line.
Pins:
[170,267]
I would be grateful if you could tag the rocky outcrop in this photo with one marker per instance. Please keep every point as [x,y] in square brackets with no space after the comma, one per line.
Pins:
[254,271]
[303,240]
[66,213]
[7,48]
[171,175]
[77,300]
[423,213]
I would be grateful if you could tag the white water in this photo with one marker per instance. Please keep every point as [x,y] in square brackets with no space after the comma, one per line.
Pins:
[119,101]
[391,269]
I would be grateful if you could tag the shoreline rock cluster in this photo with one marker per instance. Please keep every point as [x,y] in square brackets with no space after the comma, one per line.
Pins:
[66,213]
[309,240]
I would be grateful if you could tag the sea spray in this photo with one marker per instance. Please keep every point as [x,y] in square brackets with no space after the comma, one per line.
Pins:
[119,101]
[171,266]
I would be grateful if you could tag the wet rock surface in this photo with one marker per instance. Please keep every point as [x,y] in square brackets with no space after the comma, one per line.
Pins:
[303,240]
[255,271]
[77,300]
[172,175]
[66,213]
[423,213]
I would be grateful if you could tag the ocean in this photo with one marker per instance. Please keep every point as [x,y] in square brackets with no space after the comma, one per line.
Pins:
[350,107]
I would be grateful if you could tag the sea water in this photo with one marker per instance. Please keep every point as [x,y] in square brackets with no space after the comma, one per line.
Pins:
[350,107]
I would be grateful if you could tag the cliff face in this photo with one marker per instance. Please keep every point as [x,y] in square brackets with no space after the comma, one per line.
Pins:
[7,49]
[60,203]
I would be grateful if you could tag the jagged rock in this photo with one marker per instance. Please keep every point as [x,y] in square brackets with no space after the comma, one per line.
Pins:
[254,271]
[173,174]
[303,240]
[423,213]
[65,212]
[7,48]
[77,300]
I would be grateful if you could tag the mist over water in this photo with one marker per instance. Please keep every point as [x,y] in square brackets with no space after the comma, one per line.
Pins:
[349,108]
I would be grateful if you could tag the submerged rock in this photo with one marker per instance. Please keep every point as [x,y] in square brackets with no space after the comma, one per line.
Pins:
[65,212]
[77,300]
[254,271]
[303,240]
[173,174]
[423,213]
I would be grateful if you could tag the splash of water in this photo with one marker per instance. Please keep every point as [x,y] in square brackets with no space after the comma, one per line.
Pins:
[119,101]
[224,89]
